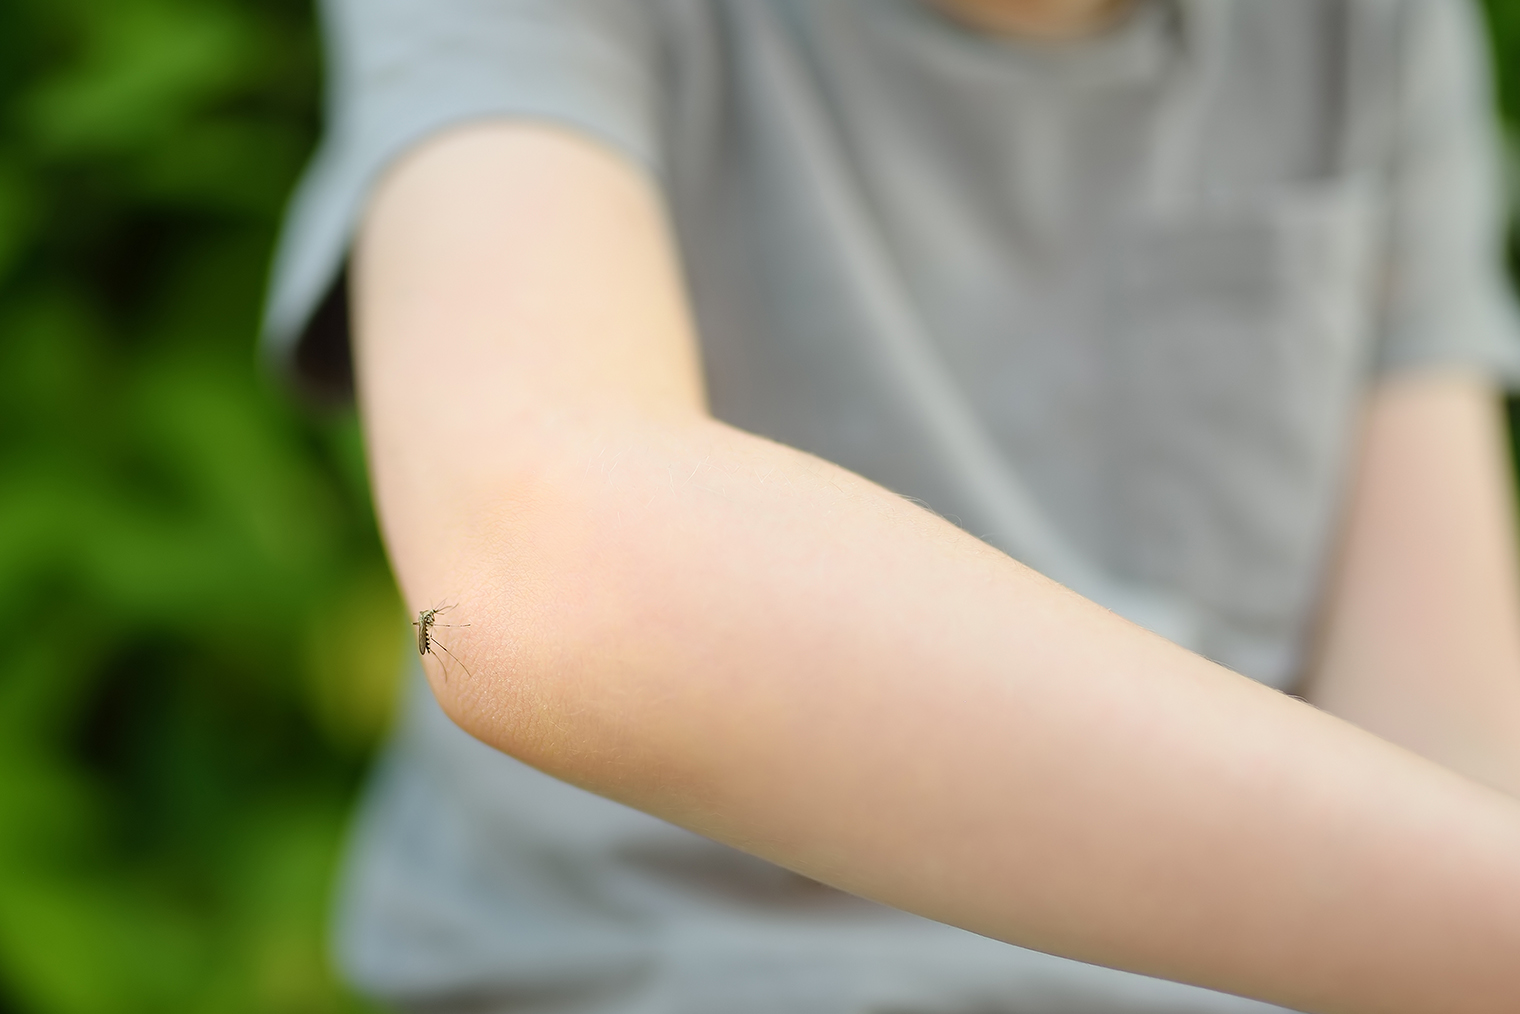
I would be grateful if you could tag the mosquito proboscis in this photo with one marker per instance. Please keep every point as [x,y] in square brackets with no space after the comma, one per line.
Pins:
[426,620]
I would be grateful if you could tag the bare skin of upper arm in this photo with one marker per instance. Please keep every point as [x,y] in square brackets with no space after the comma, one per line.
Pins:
[1421,637]
[544,256]
[503,267]
[507,277]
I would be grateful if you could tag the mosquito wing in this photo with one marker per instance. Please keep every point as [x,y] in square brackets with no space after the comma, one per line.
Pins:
[421,623]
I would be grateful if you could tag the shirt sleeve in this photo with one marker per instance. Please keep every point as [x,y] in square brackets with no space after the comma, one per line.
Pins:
[401,70]
[1447,301]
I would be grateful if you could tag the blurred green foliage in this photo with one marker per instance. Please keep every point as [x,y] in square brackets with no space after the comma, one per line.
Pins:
[1504,32]
[201,637]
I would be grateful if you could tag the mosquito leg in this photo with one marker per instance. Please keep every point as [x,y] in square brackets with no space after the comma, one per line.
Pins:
[449,653]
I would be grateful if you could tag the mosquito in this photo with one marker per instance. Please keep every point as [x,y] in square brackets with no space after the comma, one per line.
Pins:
[427,640]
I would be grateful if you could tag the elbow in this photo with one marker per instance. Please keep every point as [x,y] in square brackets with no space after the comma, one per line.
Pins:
[494,620]
[538,585]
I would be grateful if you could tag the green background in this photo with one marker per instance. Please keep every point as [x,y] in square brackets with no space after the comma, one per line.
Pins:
[200,637]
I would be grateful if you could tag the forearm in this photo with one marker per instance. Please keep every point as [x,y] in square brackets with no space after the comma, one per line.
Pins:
[771,651]
[1421,642]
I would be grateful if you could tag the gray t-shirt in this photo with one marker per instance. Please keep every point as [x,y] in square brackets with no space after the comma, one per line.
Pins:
[1110,305]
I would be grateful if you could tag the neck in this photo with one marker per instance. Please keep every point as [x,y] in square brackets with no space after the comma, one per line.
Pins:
[1037,19]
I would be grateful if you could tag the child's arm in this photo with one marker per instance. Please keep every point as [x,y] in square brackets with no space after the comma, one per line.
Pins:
[1421,642]
[766,648]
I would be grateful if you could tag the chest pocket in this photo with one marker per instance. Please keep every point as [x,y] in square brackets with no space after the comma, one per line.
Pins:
[1237,344]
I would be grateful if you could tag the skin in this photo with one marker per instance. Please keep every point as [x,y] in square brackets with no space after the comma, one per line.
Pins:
[1037,19]
[770,650]
[1421,634]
